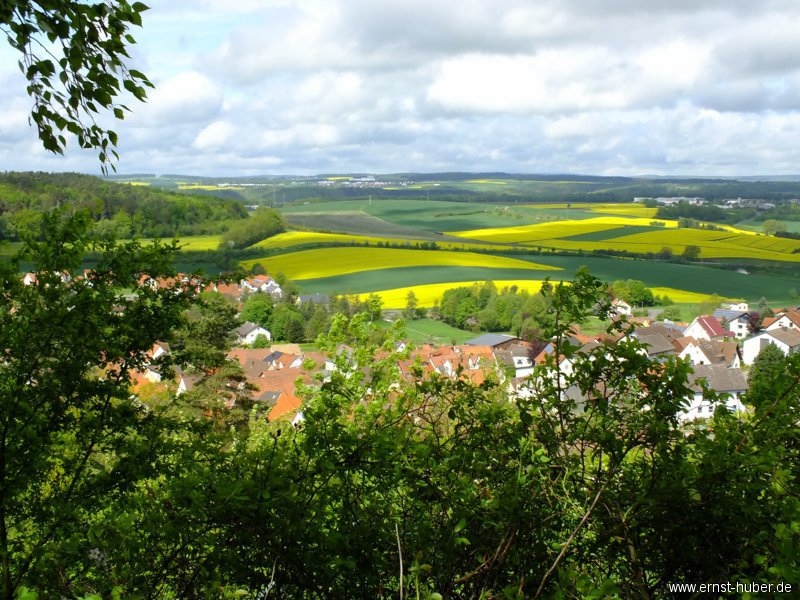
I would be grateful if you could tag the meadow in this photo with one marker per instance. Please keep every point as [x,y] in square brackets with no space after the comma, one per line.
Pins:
[328,262]
[337,250]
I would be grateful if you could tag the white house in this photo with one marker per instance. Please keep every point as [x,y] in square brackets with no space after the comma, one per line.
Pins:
[737,321]
[788,320]
[248,332]
[737,306]
[262,283]
[729,383]
[622,308]
[705,327]
[705,352]
[787,340]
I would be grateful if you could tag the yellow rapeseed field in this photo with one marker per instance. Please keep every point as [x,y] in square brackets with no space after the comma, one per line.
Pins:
[625,209]
[328,262]
[427,295]
[712,244]
[191,243]
[553,230]
[289,239]
[680,296]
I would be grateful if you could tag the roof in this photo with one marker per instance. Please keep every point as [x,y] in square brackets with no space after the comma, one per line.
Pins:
[792,315]
[656,344]
[491,339]
[247,328]
[719,352]
[719,378]
[313,298]
[790,337]
[711,325]
[728,315]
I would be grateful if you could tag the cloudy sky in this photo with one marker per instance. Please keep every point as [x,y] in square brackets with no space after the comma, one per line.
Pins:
[693,87]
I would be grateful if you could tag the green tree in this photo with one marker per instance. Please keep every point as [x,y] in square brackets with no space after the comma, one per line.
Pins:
[74,55]
[69,428]
[205,334]
[773,226]
[374,307]
[768,373]
[258,309]
[691,252]
[263,223]
[412,304]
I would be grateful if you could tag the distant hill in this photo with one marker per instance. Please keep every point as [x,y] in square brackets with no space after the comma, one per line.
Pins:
[122,209]
[471,187]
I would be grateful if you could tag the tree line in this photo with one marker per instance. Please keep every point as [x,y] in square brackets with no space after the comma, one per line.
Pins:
[118,210]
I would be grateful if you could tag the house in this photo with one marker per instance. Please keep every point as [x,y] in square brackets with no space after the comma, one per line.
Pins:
[622,308]
[493,340]
[712,352]
[262,283]
[737,321]
[248,332]
[516,357]
[736,306]
[657,345]
[706,327]
[312,299]
[730,383]
[787,320]
[787,340]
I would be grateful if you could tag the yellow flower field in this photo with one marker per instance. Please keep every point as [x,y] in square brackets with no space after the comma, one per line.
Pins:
[427,295]
[327,262]
[625,209]
[289,239]
[712,244]
[553,230]
[680,296]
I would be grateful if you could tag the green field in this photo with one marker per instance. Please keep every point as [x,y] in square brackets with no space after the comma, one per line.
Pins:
[420,216]
[384,279]
[693,278]
[428,331]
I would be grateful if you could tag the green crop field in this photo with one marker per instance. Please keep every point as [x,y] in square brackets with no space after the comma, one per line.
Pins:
[705,280]
[328,262]
[428,331]
[560,226]
[384,279]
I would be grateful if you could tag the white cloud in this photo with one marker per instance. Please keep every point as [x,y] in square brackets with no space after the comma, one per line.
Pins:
[608,86]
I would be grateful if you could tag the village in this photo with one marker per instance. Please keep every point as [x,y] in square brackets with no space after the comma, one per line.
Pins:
[720,347]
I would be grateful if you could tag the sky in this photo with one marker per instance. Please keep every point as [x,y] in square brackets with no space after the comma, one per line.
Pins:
[605,87]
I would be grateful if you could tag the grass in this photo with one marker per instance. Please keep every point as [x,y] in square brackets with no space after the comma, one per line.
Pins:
[610,234]
[384,279]
[553,231]
[430,331]
[703,280]
[328,262]
[291,239]
[417,216]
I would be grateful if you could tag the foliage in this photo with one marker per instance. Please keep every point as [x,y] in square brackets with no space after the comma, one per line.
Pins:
[204,335]
[586,484]
[258,309]
[74,57]
[634,292]
[773,226]
[121,211]
[72,440]
[263,223]
[691,252]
